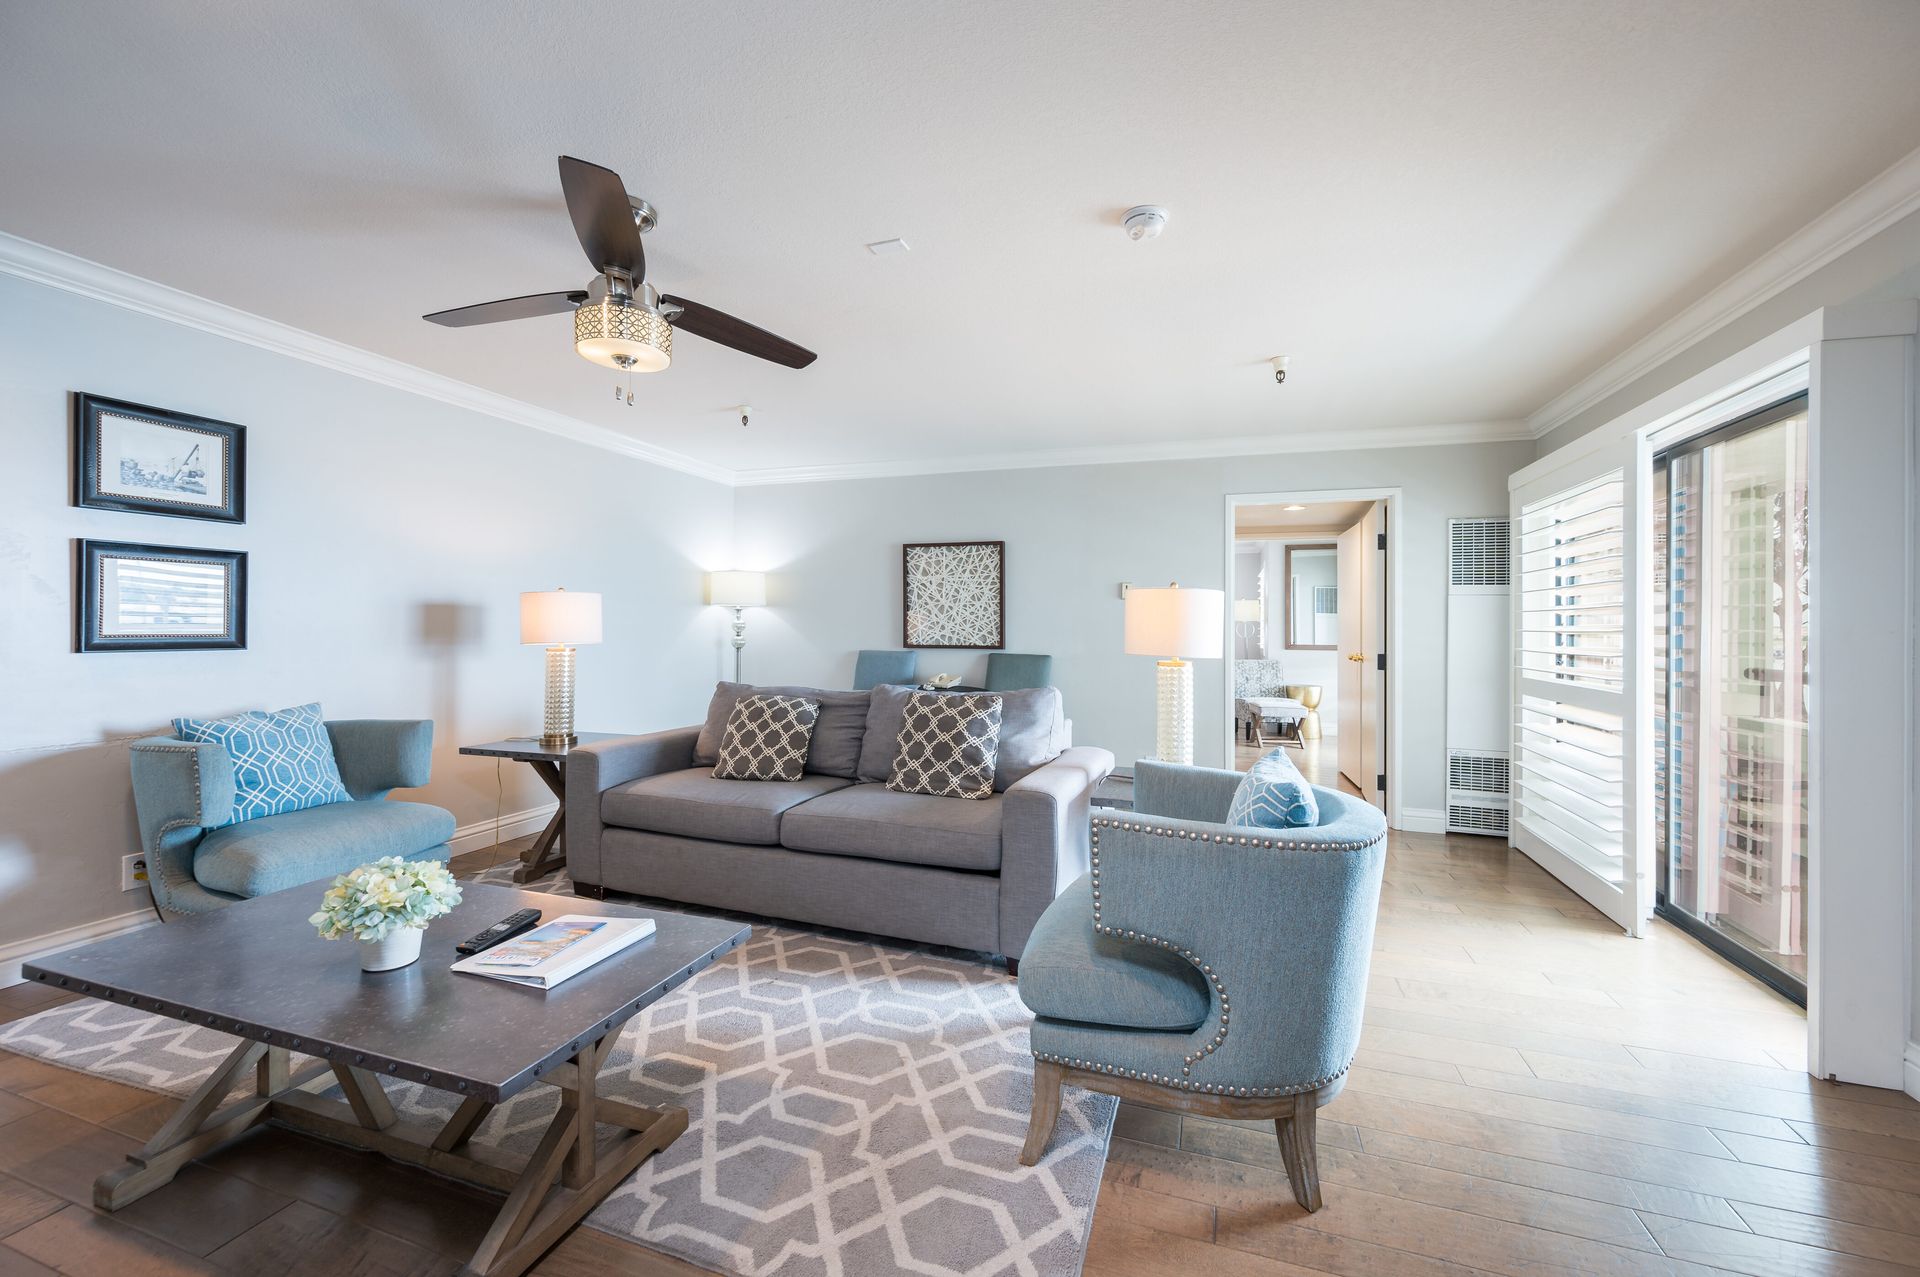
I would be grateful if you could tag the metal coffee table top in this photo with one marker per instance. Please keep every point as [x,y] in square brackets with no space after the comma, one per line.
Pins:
[258,970]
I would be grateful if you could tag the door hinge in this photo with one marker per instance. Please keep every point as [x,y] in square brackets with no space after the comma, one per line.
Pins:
[1382,786]
[1380,662]
[1380,542]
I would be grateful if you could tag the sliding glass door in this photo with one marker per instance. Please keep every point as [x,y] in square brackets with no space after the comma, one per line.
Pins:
[1731,713]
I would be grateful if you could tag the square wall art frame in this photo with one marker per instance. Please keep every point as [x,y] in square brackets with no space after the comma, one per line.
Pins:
[954,594]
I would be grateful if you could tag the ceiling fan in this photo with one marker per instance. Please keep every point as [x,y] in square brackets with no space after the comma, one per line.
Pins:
[619,319]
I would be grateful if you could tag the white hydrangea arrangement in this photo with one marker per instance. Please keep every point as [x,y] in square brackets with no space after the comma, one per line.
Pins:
[386,896]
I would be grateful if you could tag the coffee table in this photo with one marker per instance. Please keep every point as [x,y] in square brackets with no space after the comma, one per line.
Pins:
[308,1018]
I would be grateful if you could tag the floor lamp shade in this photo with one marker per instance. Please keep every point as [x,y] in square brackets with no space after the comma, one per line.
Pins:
[559,619]
[739,591]
[1173,623]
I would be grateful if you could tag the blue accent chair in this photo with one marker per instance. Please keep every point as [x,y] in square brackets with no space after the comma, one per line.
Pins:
[1208,968]
[871,669]
[196,862]
[1011,671]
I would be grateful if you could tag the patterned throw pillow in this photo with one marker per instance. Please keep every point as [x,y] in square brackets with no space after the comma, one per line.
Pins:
[282,761]
[948,745]
[766,738]
[1274,795]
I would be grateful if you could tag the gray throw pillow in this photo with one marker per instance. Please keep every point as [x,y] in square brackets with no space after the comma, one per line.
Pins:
[766,738]
[1033,731]
[947,745]
[837,737]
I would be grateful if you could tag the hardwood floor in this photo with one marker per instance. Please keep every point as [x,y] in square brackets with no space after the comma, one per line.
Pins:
[1534,1093]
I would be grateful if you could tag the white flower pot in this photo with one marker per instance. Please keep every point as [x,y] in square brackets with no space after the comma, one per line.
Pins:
[400,948]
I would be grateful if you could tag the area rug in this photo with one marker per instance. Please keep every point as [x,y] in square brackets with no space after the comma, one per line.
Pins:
[856,1108]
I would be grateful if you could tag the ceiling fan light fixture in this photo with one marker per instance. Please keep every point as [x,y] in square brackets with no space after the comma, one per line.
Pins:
[617,333]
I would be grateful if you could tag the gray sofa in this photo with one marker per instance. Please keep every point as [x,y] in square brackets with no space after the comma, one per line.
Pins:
[837,848]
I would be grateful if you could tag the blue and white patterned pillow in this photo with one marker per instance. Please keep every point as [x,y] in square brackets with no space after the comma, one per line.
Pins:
[282,761]
[1274,795]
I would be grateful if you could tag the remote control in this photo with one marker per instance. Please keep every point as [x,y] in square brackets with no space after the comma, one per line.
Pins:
[505,929]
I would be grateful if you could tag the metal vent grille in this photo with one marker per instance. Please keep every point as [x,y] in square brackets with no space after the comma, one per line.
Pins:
[1479,773]
[1478,551]
[1472,818]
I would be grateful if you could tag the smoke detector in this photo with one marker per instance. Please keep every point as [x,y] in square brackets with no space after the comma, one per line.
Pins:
[1145,221]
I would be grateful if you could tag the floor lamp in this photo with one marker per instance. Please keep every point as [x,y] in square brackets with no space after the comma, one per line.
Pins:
[739,591]
[1173,624]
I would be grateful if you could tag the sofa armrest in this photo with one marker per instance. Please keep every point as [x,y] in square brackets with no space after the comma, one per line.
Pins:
[1278,921]
[1043,838]
[1183,792]
[381,754]
[181,789]
[595,768]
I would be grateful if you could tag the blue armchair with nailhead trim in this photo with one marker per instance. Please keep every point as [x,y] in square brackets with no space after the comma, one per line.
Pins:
[1205,967]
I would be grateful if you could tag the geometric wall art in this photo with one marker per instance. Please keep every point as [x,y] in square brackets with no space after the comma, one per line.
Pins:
[955,594]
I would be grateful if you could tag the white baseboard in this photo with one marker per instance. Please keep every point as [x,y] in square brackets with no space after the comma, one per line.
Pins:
[514,824]
[13,956]
[475,837]
[1422,820]
[1910,1076]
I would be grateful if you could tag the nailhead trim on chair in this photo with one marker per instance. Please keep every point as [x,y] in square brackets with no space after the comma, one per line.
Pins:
[1182,1084]
[1219,1037]
[153,853]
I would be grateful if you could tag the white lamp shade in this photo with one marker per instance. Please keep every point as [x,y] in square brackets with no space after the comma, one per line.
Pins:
[737,589]
[1246,610]
[556,617]
[1175,623]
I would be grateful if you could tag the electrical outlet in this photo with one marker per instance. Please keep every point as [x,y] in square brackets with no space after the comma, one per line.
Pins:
[133,872]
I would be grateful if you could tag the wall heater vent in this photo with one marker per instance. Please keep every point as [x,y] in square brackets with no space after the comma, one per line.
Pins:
[1479,673]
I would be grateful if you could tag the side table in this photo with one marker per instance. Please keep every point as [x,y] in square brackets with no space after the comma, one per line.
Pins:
[1116,791]
[548,851]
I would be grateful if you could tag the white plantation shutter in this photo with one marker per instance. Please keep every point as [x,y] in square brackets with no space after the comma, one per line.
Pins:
[1570,780]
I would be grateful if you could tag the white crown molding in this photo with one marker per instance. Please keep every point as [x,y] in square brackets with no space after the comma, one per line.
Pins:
[42,265]
[1882,201]
[1168,450]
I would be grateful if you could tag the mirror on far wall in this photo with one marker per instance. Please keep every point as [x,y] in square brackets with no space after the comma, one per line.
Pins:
[1313,598]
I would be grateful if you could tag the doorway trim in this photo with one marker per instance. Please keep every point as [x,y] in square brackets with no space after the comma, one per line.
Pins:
[1397,816]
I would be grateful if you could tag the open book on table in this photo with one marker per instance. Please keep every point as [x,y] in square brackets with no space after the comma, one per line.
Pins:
[556,949]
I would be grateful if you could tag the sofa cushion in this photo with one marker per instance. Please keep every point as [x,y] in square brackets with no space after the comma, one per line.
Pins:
[1033,732]
[767,738]
[274,852]
[835,747]
[1071,972]
[696,804]
[875,823]
[947,746]
[282,760]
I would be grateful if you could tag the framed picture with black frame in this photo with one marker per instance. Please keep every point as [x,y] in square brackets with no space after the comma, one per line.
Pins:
[142,460]
[159,598]
[954,594]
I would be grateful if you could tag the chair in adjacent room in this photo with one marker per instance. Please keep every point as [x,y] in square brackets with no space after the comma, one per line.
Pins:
[199,859]
[1133,970]
[872,668]
[1012,671]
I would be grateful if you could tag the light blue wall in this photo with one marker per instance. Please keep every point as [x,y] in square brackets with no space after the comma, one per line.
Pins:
[389,536]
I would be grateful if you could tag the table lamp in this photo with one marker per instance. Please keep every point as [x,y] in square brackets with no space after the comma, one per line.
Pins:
[1246,623]
[1174,623]
[739,591]
[559,619]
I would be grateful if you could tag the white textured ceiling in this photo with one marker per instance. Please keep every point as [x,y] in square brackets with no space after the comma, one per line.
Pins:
[1444,212]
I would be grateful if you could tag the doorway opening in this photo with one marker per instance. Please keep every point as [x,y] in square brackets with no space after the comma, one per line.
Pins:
[1310,578]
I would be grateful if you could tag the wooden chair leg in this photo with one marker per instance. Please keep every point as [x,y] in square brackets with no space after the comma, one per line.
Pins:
[1300,1150]
[1046,1110]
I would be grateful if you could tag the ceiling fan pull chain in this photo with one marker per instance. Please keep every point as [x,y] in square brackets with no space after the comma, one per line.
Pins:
[629,388]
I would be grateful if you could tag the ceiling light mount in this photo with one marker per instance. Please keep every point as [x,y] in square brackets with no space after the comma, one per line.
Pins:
[645,215]
[1144,221]
[1279,363]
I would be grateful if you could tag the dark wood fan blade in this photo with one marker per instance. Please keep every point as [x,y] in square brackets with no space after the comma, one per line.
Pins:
[509,308]
[602,217]
[715,325]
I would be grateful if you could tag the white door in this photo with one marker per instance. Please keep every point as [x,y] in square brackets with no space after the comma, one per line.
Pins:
[1348,560]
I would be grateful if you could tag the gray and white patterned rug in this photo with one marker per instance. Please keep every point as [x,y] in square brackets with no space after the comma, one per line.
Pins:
[857,1108]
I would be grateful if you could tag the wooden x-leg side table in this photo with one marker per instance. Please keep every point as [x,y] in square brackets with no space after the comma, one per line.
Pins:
[309,1019]
[547,852]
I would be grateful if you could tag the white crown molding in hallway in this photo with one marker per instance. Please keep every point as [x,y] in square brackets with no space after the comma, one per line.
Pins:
[49,266]
[1883,200]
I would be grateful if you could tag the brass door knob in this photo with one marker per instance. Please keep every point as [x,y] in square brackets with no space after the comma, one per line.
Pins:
[1356,656]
